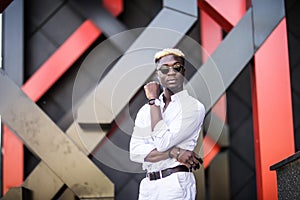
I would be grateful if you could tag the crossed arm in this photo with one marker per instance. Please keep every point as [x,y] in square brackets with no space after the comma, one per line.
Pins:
[186,157]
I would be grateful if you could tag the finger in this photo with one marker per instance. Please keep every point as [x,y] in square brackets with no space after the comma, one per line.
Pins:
[195,160]
[200,160]
[191,162]
[196,166]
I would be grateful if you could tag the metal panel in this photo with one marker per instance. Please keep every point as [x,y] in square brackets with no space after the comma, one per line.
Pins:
[266,16]
[50,144]
[224,66]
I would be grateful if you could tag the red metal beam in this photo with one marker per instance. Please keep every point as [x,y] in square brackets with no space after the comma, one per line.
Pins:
[13,160]
[225,13]
[115,7]
[214,16]
[272,110]
[62,59]
[210,150]
[211,37]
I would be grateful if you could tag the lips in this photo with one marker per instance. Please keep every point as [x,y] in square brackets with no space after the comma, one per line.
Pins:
[172,81]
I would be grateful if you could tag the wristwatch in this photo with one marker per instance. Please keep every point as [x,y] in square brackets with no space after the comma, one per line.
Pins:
[154,102]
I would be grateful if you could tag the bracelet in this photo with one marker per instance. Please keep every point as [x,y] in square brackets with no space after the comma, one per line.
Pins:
[178,152]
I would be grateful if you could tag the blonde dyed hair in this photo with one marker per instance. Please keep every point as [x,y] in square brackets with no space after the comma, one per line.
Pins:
[168,51]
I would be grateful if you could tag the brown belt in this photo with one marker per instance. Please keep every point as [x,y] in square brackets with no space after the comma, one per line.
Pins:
[167,172]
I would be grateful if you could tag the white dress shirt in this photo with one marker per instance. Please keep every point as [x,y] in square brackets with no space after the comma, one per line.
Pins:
[180,126]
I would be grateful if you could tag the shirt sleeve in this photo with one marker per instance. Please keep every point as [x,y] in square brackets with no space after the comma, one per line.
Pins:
[141,143]
[186,125]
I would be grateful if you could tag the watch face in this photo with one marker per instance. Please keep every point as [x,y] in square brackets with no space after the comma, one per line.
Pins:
[157,102]
[154,102]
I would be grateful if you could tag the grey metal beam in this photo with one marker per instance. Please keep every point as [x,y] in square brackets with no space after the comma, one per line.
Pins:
[19,193]
[42,175]
[266,16]
[50,144]
[100,16]
[13,41]
[115,86]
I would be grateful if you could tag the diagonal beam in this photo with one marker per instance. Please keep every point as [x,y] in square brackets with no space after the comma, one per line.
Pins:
[37,131]
[118,92]
[95,11]
[59,63]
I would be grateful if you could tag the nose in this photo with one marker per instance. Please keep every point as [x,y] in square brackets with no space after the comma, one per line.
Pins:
[171,71]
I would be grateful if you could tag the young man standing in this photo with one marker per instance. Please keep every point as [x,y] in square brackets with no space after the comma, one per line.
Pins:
[166,132]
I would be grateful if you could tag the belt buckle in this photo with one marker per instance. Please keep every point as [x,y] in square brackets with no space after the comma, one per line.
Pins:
[157,175]
[154,175]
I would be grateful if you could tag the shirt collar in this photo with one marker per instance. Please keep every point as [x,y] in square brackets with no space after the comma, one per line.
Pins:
[176,96]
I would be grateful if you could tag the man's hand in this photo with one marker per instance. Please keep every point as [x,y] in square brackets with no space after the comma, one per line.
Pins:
[152,90]
[186,157]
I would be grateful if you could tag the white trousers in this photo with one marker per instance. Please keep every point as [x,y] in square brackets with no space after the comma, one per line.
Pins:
[180,186]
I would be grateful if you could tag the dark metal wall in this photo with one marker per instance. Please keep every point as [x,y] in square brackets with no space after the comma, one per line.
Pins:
[239,113]
[293,27]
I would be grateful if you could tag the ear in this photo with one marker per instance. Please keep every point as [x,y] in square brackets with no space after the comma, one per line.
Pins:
[159,80]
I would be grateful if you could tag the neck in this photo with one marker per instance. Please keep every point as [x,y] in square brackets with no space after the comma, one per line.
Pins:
[168,93]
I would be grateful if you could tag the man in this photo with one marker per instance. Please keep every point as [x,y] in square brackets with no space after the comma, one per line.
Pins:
[166,132]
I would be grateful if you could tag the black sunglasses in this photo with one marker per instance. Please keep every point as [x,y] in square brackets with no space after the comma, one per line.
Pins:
[165,68]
